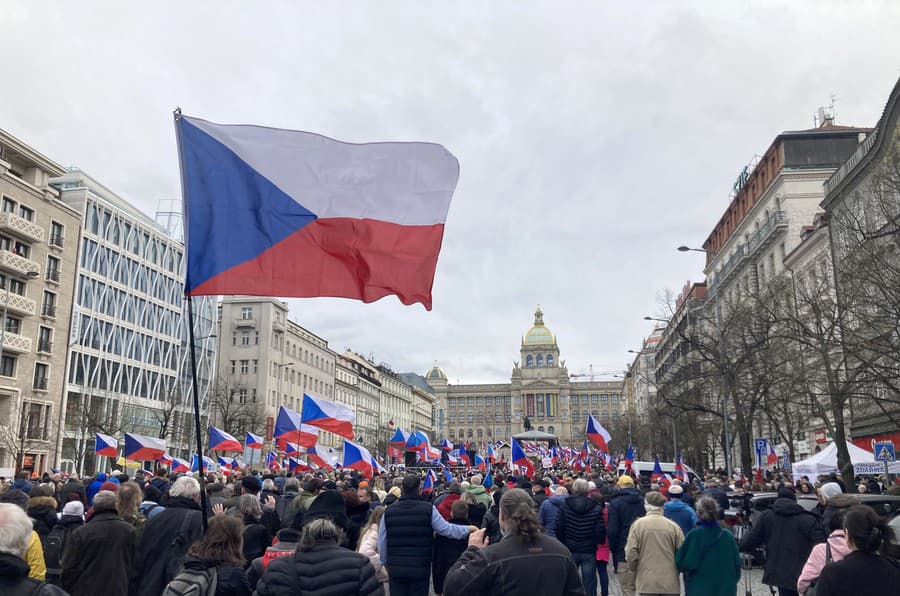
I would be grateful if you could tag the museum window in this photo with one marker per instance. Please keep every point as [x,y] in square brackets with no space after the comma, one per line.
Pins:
[574,400]
[549,359]
[551,430]
[541,428]
[575,415]
[540,360]
[529,361]
[470,433]
[479,433]
[595,399]
[615,399]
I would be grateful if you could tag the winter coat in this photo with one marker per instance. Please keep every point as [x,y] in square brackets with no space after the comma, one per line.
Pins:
[98,556]
[625,506]
[603,547]
[368,546]
[513,567]
[14,580]
[326,570]
[549,511]
[70,487]
[710,561]
[682,514]
[835,504]
[481,495]
[43,511]
[34,556]
[720,498]
[650,551]
[446,552]
[358,516]
[155,548]
[444,506]
[789,533]
[23,485]
[580,526]
[816,561]
[539,499]
[161,483]
[859,573]
[256,540]
[92,490]
[230,579]
[491,523]
[477,513]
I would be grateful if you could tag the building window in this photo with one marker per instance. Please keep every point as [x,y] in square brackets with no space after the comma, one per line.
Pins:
[26,213]
[57,232]
[256,338]
[13,325]
[245,338]
[234,338]
[551,430]
[614,399]
[603,399]
[52,269]
[541,428]
[255,366]
[549,359]
[233,362]
[16,286]
[540,360]
[594,399]
[41,376]
[246,312]
[529,360]
[49,307]
[9,206]
[45,338]
[574,400]
[8,366]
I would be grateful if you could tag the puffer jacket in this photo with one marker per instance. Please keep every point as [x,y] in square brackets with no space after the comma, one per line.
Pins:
[481,495]
[491,523]
[580,526]
[325,570]
[816,561]
[549,511]
[149,575]
[789,532]
[625,506]
[368,546]
[681,513]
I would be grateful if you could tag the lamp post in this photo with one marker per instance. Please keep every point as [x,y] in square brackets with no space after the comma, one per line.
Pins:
[724,378]
[280,368]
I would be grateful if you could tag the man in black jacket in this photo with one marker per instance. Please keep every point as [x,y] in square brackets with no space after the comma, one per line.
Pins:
[789,533]
[579,526]
[14,540]
[166,537]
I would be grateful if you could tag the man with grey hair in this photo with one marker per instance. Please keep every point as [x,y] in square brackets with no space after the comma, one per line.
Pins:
[167,537]
[98,555]
[580,527]
[477,490]
[15,536]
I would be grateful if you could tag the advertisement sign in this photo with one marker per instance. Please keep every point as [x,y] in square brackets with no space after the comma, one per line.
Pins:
[270,428]
[821,436]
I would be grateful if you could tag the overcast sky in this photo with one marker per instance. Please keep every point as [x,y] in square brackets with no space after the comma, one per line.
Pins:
[593,138]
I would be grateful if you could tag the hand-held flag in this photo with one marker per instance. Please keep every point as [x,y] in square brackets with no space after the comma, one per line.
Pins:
[328,415]
[519,459]
[357,457]
[141,448]
[657,472]
[106,445]
[180,466]
[254,441]
[219,440]
[598,435]
[273,212]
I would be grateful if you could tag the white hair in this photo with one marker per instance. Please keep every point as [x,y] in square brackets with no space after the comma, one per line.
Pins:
[562,490]
[15,530]
[268,484]
[580,487]
[476,479]
[185,487]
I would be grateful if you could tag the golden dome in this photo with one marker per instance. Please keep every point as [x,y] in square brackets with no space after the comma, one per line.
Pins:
[436,374]
[538,334]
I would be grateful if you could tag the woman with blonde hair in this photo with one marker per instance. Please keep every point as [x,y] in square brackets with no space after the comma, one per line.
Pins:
[368,544]
[128,502]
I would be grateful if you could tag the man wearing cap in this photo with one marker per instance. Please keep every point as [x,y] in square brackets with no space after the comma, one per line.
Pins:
[789,533]
[650,550]
[678,511]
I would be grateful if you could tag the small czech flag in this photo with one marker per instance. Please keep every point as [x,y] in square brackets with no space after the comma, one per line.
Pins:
[219,440]
[106,445]
[254,441]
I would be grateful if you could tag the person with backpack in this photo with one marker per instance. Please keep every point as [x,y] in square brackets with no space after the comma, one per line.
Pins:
[213,565]
[99,554]
[55,542]
[166,538]
[14,541]
[709,557]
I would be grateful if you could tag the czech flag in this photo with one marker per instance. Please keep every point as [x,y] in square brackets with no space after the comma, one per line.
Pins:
[772,458]
[106,445]
[297,465]
[273,212]
[417,441]
[141,448]
[598,435]
[357,457]
[446,445]
[272,462]
[519,459]
[448,475]
[464,455]
[219,440]
[479,462]
[657,472]
[629,459]
[227,462]
[400,437]
[208,463]
[679,469]
[313,455]
[488,481]
[584,449]
[490,453]
[377,468]
[288,447]
[327,415]
[254,441]
[428,485]
[165,460]
[180,466]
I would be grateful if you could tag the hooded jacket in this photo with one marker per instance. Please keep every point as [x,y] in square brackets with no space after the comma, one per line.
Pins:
[579,525]
[626,506]
[789,533]
[549,511]
[230,579]
[94,487]
[14,580]
[324,570]
[481,495]
[682,514]
[43,511]
[816,561]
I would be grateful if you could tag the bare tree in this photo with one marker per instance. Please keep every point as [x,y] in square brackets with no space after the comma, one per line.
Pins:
[234,408]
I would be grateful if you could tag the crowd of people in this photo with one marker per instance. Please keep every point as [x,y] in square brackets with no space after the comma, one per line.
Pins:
[338,533]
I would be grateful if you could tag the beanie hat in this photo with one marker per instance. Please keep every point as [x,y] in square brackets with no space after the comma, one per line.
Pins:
[73,508]
[786,493]
[110,486]
[830,489]
[675,491]
[625,481]
[250,484]
[329,505]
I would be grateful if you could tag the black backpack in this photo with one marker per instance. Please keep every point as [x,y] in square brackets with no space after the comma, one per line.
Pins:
[53,550]
[179,546]
[193,582]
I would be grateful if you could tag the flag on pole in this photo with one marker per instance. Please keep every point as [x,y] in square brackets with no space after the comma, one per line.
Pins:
[208,463]
[772,458]
[328,415]
[657,472]
[141,448]
[180,466]
[165,460]
[598,435]
[357,457]
[428,485]
[273,212]
[629,459]
[219,440]
[106,445]
[313,455]
[464,455]
[446,445]
[272,462]
[519,459]
[254,441]
[680,472]
[399,438]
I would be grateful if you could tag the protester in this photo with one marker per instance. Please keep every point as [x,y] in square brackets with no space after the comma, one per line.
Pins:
[220,549]
[368,544]
[167,537]
[789,533]
[491,521]
[835,548]
[477,489]
[34,555]
[42,509]
[832,500]
[256,537]
[98,556]
[580,527]
[526,561]
[321,567]
[625,506]
[549,510]
[538,492]
[285,544]
[448,550]
[650,549]
[128,503]
[713,491]
[678,511]
[476,509]
[447,499]
[15,536]
[709,557]
[602,554]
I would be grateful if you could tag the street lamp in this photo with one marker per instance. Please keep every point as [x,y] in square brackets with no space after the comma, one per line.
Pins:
[724,378]
[655,319]
[281,375]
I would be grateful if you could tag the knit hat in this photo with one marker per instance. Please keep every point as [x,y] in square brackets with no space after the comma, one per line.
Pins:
[655,499]
[830,489]
[330,505]
[73,508]
[625,481]
[675,491]
[250,484]
[786,492]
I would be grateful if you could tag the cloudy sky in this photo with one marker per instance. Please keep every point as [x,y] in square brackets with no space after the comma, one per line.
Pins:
[593,137]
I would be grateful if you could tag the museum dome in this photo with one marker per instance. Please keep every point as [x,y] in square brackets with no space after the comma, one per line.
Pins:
[436,374]
[538,334]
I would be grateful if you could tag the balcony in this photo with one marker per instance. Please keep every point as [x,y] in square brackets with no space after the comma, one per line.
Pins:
[15,343]
[21,227]
[730,265]
[18,304]
[10,261]
[245,323]
[777,222]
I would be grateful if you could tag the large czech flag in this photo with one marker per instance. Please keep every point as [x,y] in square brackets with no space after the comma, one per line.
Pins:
[106,445]
[327,415]
[254,441]
[313,455]
[219,440]
[208,464]
[288,427]
[598,435]
[399,438]
[357,457]
[519,459]
[141,448]
[272,212]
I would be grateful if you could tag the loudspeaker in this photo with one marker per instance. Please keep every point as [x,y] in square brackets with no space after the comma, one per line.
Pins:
[409,458]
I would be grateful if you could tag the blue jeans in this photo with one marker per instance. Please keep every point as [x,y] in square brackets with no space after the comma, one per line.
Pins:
[604,578]
[587,563]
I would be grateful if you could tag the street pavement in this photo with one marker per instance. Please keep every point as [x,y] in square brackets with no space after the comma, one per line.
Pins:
[757,588]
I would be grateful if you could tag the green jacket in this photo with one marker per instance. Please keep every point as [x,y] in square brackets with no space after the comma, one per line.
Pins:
[481,495]
[710,562]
